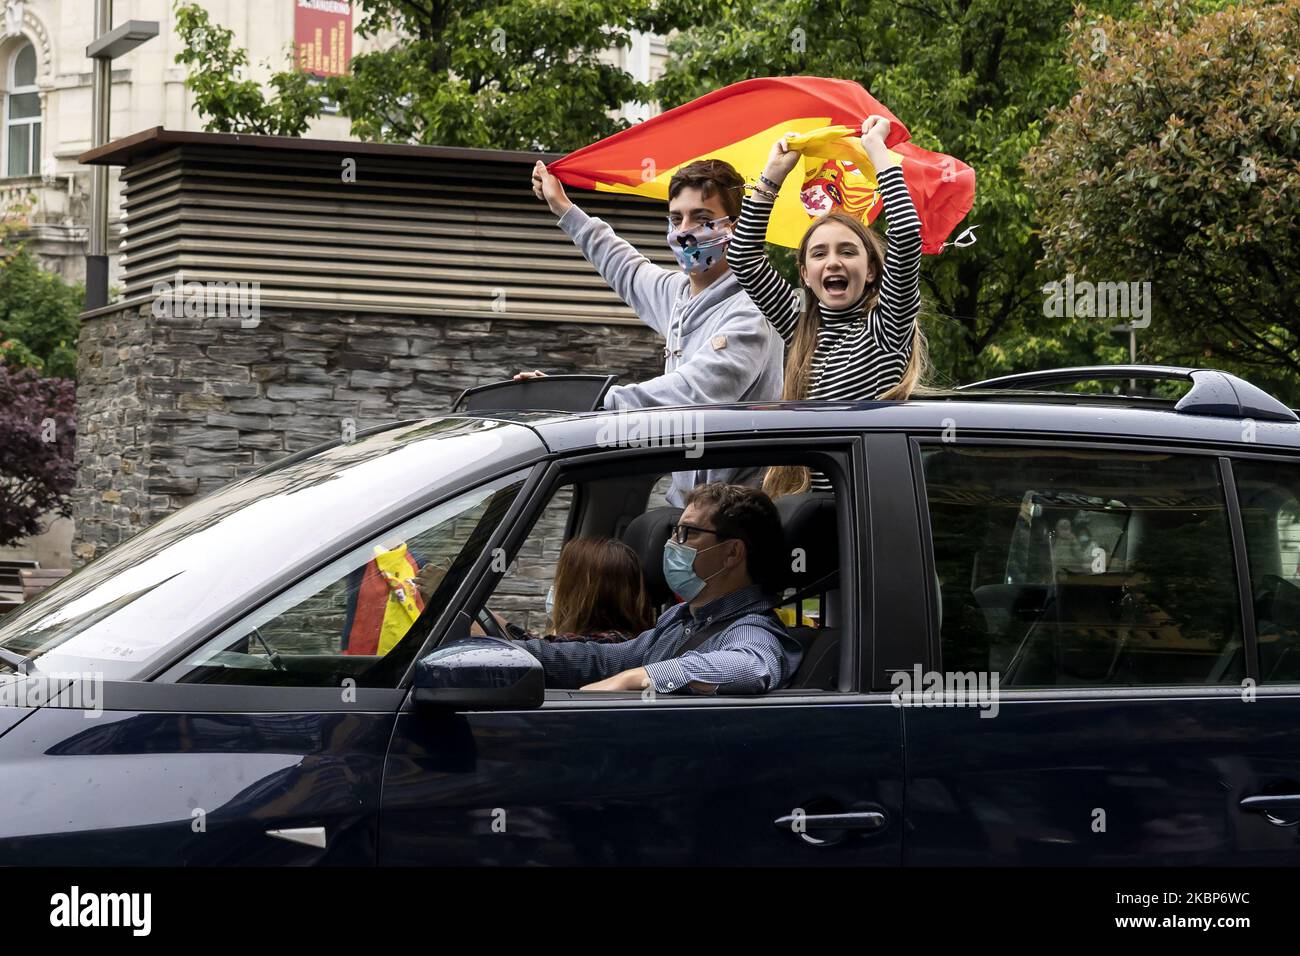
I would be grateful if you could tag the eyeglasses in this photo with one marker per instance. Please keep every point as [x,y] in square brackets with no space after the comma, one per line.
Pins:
[683,531]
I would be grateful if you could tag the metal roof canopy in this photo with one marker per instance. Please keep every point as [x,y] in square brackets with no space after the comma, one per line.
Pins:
[132,149]
[419,230]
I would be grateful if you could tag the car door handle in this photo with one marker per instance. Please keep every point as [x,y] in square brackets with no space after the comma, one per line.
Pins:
[867,820]
[1263,803]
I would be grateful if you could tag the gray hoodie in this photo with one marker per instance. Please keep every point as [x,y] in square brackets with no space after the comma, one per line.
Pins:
[719,347]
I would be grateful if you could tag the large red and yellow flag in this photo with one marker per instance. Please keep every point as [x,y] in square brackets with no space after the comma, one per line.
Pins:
[739,123]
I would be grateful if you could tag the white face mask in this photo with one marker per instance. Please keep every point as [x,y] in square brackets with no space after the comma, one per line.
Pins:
[701,247]
[550,602]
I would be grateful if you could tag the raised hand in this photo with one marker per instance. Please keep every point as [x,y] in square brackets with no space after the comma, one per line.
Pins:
[780,160]
[547,187]
[874,130]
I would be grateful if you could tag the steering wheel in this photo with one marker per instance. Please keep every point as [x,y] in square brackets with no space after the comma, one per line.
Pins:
[489,624]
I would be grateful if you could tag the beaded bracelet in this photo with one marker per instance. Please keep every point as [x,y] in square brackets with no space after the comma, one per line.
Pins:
[768,182]
[759,190]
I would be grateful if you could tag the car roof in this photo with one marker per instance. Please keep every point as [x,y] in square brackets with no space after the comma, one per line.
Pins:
[1218,408]
[993,413]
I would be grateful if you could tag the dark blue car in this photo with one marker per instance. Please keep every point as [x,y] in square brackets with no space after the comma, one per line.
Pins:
[1039,627]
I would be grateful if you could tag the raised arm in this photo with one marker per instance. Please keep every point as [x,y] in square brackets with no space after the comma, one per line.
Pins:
[894,321]
[649,289]
[747,255]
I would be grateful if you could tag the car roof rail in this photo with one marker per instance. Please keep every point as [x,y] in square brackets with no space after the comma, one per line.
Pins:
[1213,392]
[552,393]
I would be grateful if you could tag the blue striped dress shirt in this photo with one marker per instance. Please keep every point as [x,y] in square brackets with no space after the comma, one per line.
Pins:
[752,654]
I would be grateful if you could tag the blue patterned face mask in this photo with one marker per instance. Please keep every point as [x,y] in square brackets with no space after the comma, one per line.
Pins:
[701,247]
[679,570]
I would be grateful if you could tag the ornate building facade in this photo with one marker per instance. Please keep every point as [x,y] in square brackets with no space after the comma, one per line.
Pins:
[45,86]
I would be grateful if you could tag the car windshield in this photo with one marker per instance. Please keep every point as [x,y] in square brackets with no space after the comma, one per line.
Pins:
[137,606]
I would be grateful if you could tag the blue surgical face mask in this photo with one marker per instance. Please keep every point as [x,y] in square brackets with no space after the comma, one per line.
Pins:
[550,602]
[700,248]
[679,570]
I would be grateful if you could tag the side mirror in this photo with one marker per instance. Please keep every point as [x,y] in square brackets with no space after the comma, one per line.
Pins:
[480,673]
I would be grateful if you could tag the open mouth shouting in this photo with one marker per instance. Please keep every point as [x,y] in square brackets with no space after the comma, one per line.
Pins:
[835,286]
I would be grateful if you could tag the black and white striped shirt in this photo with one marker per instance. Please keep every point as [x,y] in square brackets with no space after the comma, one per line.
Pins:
[857,356]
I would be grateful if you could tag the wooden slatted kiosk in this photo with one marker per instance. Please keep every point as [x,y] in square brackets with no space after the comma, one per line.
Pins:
[363,226]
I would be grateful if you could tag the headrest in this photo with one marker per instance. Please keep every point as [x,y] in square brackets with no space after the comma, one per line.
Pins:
[810,525]
[646,535]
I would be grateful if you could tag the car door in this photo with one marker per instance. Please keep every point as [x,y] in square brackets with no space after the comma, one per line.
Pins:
[264,741]
[194,775]
[792,777]
[1107,590]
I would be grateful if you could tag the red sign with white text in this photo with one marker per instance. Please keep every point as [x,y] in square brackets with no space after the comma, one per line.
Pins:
[322,36]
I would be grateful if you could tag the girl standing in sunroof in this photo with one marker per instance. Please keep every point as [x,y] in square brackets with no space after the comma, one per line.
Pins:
[853,332]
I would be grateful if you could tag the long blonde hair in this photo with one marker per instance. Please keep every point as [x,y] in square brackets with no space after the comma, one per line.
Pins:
[794,479]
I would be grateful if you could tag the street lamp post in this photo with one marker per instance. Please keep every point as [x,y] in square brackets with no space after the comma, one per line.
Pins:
[107,46]
[1132,351]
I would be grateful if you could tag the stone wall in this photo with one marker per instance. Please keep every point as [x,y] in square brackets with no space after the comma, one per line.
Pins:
[171,408]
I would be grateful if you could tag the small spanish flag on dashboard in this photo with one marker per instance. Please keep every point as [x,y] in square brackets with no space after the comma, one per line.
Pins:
[739,123]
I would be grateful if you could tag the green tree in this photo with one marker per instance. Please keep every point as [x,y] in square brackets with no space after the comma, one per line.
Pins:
[971,78]
[505,74]
[38,310]
[230,103]
[38,317]
[1179,164]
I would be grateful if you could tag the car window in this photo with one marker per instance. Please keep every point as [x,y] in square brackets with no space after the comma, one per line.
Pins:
[347,619]
[520,598]
[614,587]
[1269,494]
[1116,569]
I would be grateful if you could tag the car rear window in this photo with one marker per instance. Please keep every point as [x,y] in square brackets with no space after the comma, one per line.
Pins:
[1080,568]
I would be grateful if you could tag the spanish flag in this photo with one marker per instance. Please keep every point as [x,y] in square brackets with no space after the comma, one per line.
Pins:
[739,123]
[385,602]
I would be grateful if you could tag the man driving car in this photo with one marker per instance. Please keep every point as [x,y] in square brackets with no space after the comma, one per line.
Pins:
[724,560]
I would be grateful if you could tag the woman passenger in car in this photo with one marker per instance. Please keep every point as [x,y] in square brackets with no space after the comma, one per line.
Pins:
[599,595]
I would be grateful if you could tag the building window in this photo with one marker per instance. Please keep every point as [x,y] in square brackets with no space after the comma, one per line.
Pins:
[23,115]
